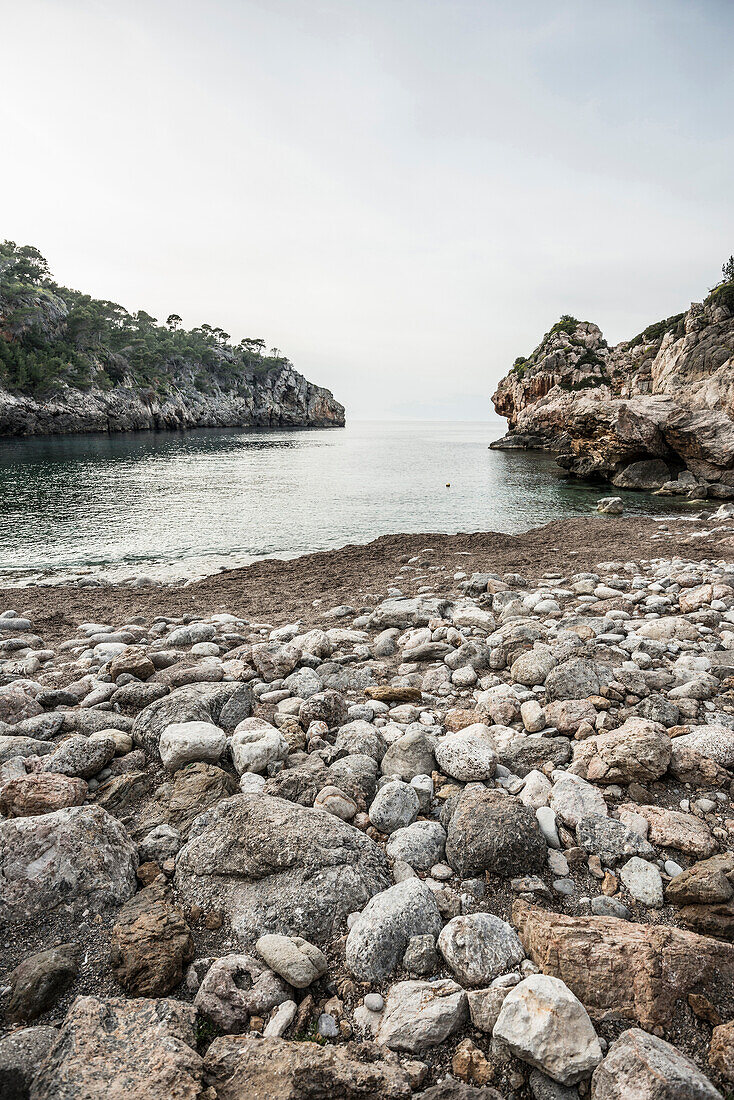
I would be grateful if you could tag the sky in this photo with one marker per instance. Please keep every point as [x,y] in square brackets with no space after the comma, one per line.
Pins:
[401,195]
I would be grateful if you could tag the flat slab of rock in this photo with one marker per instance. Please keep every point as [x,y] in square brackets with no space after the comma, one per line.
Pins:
[675,829]
[630,971]
[77,858]
[275,866]
[247,1068]
[420,1015]
[123,1050]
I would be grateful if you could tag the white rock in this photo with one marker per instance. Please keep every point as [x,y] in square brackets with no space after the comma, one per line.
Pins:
[478,947]
[419,1015]
[185,742]
[467,755]
[543,1023]
[643,881]
[255,744]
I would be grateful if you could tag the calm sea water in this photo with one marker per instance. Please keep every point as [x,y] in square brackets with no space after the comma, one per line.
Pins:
[170,505]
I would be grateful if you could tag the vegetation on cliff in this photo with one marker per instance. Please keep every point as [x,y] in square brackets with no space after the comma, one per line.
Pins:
[50,335]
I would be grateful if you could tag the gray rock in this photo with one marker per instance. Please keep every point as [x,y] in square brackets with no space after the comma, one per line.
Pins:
[360,738]
[409,756]
[193,703]
[577,678]
[11,746]
[296,960]
[478,947]
[21,1053]
[320,869]
[420,1015]
[394,806]
[468,755]
[161,843]
[81,756]
[184,743]
[491,831]
[421,957]
[643,881]
[611,840]
[642,1066]
[402,611]
[77,858]
[236,987]
[420,845]
[378,938]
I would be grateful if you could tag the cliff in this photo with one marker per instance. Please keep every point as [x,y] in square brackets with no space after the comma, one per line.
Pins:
[649,413]
[71,363]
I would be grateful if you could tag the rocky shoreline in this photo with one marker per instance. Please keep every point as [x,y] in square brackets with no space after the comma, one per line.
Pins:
[444,816]
[281,399]
[655,412]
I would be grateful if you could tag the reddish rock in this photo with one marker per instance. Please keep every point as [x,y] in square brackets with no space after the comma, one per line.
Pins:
[151,944]
[41,793]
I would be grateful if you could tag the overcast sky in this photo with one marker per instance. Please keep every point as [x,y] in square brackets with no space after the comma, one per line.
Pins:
[402,195]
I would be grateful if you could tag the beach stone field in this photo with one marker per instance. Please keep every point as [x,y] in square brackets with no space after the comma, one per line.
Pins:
[467,835]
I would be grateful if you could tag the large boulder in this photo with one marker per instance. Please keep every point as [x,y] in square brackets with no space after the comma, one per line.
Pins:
[275,866]
[21,1053]
[378,938]
[40,793]
[123,1050]
[411,755]
[487,830]
[642,1066]
[468,755]
[73,860]
[623,970]
[251,1068]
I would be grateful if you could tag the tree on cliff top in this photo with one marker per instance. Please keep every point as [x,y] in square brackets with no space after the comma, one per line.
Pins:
[728,270]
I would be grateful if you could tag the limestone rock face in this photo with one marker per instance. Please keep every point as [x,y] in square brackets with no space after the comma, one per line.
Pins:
[320,870]
[647,968]
[123,1050]
[635,414]
[79,858]
[251,1068]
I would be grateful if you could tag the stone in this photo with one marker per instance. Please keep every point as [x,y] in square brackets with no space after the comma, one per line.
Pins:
[675,829]
[38,982]
[236,987]
[712,741]
[611,840]
[573,799]
[643,881]
[320,870]
[74,859]
[468,755]
[297,961]
[575,678]
[409,756]
[490,831]
[638,751]
[184,743]
[478,947]
[324,706]
[646,969]
[403,611]
[122,1050]
[721,1051]
[160,844]
[360,737]
[202,702]
[81,756]
[255,744]
[610,506]
[133,662]
[189,793]
[150,944]
[420,845]
[533,667]
[705,883]
[419,1015]
[645,1067]
[485,1005]
[334,801]
[379,936]
[421,958]
[21,1053]
[250,1068]
[40,793]
[568,714]
[395,806]
[275,660]
[543,1023]
[281,1020]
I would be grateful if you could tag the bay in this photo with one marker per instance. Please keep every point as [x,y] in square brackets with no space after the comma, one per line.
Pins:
[174,506]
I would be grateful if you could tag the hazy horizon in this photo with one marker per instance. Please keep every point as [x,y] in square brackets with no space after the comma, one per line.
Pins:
[401,197]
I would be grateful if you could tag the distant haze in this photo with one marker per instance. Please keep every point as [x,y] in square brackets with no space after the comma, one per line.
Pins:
[401,195]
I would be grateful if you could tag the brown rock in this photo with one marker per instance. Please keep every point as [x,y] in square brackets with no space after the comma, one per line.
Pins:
[703,1009]
[387,693]
[458,719]
[638,751]
[705,883]
[618,969]
[610,884]
[148,872]
[470,1065]
[41,793]
[709,920]
[123,1050]
[675,829]
[177,802]
[134,661]
[721,1051]
[689,766]
[249,1068]
[151,944]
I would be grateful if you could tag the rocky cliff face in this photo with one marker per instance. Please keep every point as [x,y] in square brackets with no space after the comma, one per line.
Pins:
[72,363]
[281,399]
[656,411]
